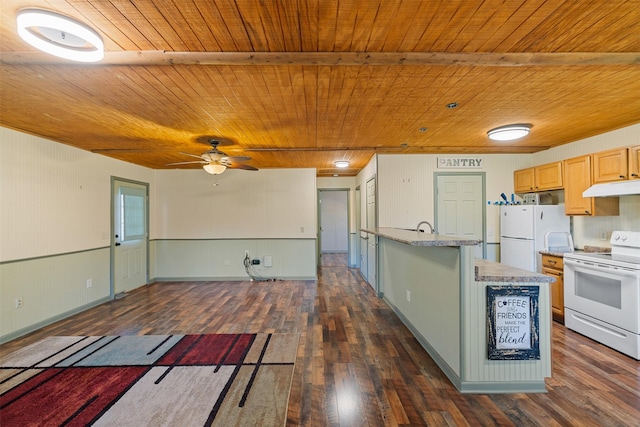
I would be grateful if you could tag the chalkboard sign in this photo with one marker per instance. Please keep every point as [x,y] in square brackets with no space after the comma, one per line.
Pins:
[513,324]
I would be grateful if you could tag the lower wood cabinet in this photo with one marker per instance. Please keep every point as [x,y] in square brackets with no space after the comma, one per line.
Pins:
[554,266]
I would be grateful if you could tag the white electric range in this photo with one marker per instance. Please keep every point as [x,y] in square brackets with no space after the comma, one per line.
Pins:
[602,293]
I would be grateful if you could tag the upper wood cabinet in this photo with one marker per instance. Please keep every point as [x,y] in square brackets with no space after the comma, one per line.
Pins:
[549,176]
[610,165]
[539,178]
[634,162]
[523,180]
[578,173]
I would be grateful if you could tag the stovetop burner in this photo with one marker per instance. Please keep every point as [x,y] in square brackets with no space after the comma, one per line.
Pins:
[625,251]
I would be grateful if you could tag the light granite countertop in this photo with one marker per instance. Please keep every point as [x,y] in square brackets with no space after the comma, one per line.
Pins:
[491,271]
[417,238]
[485,271]
[587,249]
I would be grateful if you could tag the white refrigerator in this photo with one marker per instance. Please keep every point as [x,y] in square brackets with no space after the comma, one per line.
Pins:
[522,231]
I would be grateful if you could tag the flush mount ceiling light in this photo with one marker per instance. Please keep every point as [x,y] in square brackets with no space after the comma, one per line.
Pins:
[342,164]
[509,132]
[59,35]
[214,168]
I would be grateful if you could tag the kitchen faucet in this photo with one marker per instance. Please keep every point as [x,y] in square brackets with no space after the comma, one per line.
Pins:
[425,222]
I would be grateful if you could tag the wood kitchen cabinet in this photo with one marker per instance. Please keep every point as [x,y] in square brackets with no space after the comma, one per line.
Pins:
[539,178]
[634,162]
[610,165]
[577,178]
[554,266]
[523,180]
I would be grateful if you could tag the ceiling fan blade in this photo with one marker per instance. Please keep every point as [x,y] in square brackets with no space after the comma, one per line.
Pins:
[192,155]
[187,163]
[241,166]
[237,158]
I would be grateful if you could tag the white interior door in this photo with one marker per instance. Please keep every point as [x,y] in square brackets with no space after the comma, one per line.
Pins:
[130,235]
[460,207]
[334,221]
[371,203]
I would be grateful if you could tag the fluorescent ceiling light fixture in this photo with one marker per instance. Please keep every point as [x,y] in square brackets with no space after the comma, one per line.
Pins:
[509,132]
[59,35]
[214,168]
[342,164]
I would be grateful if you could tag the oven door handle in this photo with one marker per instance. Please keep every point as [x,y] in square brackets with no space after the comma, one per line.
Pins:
[597,266]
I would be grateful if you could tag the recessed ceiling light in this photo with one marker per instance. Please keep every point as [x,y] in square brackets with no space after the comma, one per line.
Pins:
[423,130]
[59,35]
[342,164]
[452,105]
[509,132]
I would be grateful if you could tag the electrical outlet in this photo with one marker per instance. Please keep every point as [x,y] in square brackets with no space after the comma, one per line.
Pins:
[227,262]
[408,295]
[18,302]
[603,236]
[89,283]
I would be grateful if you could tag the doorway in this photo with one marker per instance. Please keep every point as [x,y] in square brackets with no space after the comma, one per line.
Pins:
[334,226]
[460,206]
[129,235]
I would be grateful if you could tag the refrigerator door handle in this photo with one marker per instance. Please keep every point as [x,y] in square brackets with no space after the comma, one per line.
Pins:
[541,215]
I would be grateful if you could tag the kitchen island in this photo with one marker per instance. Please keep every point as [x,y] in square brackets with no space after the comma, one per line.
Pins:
[439,290]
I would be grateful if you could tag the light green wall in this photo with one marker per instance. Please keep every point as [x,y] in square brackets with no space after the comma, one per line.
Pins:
[55,227]
[223,259]
[432,276]
[51,288]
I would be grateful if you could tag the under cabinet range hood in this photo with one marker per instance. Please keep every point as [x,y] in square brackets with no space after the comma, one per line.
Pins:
[619,188]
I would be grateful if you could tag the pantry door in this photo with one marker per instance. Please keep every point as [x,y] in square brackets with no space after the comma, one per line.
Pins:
[130,238]
[460,207]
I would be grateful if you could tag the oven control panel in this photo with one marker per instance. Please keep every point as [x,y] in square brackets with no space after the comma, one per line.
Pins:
[626,238]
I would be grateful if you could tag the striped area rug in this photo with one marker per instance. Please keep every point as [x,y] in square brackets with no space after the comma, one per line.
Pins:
[149,380]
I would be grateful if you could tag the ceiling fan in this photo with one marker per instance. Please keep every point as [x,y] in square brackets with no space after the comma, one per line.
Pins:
[216,162]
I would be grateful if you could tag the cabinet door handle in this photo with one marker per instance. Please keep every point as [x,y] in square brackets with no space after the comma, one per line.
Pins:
[587,212]
[559,274]
[621,176]
[634,174]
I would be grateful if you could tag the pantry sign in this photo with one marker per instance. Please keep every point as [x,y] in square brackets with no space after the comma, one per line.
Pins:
[460,163]
[513,323]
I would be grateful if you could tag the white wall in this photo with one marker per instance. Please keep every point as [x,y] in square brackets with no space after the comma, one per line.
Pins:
[205,224]
[271,203]
[55,226]
[406,184]
[54,198]
[54,229]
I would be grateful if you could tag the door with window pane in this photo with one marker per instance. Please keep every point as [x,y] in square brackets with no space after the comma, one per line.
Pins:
[130,235]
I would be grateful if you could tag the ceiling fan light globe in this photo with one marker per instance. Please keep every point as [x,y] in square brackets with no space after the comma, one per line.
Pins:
[214,168]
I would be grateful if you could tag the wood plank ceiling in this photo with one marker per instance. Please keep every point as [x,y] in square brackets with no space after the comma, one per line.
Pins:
[303,83]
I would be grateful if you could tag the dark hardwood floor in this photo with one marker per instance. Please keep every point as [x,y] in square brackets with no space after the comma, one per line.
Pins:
[357,364]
